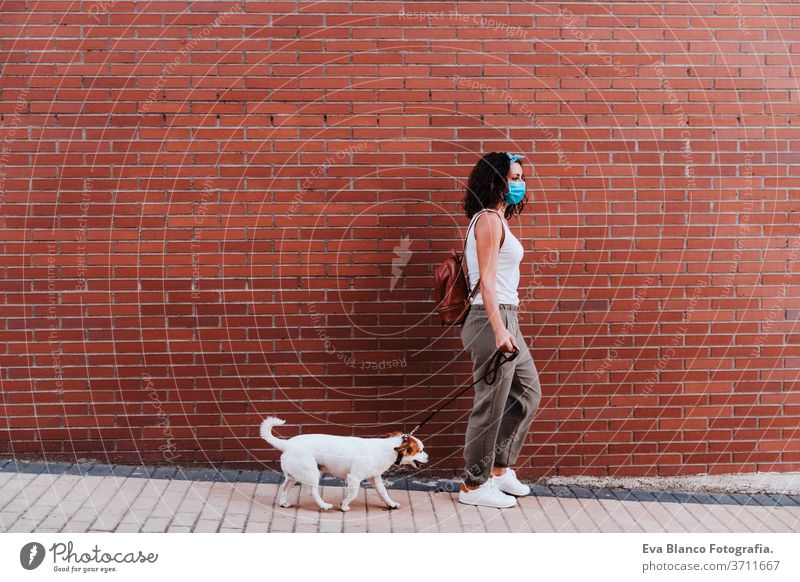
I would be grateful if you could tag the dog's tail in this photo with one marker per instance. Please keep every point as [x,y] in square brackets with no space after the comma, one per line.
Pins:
[266,432]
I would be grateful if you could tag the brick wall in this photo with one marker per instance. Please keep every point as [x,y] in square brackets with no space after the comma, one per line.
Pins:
[212,213]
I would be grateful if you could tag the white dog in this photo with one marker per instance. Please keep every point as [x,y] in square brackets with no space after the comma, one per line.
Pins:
[354,459]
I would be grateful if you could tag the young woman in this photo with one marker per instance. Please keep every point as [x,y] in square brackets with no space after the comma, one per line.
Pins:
[502,412]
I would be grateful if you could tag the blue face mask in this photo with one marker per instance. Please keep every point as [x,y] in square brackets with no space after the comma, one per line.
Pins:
[516,192]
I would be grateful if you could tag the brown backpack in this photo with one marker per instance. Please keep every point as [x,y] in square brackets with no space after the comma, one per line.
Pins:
[451,285]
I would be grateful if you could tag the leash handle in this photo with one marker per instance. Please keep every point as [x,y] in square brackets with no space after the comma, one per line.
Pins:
[499,358]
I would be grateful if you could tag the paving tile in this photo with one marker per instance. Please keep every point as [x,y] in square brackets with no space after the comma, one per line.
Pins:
[164,473]
[560,491]
[603,494]
[742,498]
[403,516]
[283,519]
[606,517]
[79,469]
[257,527]
[702,497]
[572,517]
[623,494]
[515,519]
[715,517]
[37,467]
[762,519]
[642,495]
[582,493]
[676,518]
[682,497]
[100,470]
[355,520]
[12,467]
[494,519]
[227,475]
[330,525]
[57,468]
[541,491]
[785,500]
[122,470]
[76,527]
[206,526]
[156,525]
[782,519]
[664,497]
[534,508]
[378,519]
[248,476]
[723,499]
[471,519]
[444,512]
[598,514]
[554,511]
[738,516]
[22,525]
[143,472]
[763,499]
[620,512]
[421,504]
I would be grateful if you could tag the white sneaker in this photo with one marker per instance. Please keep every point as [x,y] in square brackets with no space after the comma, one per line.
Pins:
[508,483]
[488,495]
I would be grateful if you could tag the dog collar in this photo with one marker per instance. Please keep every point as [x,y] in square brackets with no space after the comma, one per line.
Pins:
[400,451]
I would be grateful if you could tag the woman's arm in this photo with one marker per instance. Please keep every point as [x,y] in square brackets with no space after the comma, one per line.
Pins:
[487,236]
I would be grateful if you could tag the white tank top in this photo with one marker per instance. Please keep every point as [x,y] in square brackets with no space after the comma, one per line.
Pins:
[508,261]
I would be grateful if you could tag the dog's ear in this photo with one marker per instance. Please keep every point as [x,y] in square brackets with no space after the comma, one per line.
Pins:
[410,447]
[406,447]
[394,433]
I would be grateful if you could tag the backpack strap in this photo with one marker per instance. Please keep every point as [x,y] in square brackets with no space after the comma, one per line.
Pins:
[502,240]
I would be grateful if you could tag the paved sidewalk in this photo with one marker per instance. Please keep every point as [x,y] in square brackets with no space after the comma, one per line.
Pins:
[62,497]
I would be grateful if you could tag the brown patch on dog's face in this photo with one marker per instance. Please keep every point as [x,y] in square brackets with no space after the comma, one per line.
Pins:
[407,447]
[394,433]
[414,447]
[412,452]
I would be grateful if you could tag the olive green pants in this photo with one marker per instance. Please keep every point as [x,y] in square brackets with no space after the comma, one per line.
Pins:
[502,412]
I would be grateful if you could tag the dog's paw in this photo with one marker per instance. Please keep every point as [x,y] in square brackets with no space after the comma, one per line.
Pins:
[285,504]
[393,505]
[345,508]
[326,506]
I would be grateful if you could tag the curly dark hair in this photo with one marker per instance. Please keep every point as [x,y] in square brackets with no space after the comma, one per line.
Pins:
[488,183]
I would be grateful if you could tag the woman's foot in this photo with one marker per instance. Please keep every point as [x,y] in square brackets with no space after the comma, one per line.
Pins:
[508,483]
[487,495]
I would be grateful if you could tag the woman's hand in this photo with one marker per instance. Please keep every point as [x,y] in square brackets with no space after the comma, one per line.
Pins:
[504,341]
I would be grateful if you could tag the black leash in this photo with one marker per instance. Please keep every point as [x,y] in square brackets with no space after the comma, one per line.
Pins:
[496,360]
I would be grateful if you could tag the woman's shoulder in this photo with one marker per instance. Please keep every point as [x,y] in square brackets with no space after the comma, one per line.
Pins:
[485,225]
[492,214]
